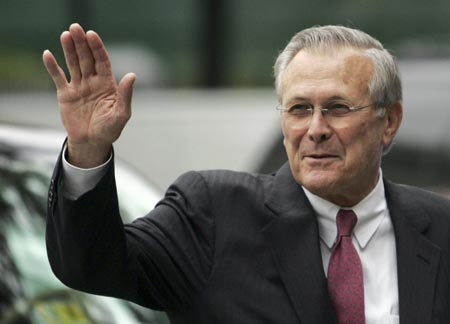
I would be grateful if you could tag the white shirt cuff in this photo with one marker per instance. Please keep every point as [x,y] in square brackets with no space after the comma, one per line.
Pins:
[78,181]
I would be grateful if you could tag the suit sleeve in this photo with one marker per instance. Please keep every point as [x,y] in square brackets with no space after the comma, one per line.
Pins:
[161,261]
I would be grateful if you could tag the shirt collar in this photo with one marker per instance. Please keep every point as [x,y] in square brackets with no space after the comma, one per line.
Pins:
[370,211]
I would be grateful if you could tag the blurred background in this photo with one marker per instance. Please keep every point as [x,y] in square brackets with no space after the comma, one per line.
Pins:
[204,96]
[203,99]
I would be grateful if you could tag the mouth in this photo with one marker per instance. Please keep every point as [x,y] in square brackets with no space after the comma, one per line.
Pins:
[320,156]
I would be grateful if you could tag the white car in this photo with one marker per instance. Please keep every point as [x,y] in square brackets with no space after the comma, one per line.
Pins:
[29,292]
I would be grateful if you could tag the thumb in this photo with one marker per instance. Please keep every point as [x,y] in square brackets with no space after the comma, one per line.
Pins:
[125,91]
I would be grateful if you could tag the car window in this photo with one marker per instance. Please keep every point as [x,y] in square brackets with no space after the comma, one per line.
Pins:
[29,292]
[136,195]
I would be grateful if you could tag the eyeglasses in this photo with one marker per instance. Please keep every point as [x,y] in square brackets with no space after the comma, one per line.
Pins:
[333,112]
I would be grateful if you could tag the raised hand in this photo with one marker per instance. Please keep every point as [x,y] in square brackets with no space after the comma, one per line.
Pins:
[94,108]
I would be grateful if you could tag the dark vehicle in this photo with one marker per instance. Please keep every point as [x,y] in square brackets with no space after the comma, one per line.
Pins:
[29,292]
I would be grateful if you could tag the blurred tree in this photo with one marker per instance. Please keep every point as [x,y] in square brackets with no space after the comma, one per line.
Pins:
[80,11]
[218,42]
[214,43]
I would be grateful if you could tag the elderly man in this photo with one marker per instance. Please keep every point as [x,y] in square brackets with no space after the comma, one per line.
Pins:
[324,240]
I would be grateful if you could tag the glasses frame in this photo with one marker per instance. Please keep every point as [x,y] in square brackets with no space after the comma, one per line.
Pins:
[325,111]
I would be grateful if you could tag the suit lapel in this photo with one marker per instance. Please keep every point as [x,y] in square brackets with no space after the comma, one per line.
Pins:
[417,257]
[294,240]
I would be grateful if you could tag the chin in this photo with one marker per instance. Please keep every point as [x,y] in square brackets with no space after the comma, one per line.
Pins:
[319,183]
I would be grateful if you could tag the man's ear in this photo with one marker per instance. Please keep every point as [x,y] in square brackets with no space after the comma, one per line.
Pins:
[282,131]
[394,115]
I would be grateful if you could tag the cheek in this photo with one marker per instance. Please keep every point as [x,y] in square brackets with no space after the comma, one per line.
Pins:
[292,138]
[350,137]
[363,145]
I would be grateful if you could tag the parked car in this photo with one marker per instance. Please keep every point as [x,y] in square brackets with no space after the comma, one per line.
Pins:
[29,292]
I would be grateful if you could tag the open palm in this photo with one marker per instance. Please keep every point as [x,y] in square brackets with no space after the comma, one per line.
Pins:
[94,108]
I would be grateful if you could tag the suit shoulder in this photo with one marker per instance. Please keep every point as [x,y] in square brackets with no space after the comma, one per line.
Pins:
[420,198]
[223,181]
[426,211]
[422,194]
[229,177]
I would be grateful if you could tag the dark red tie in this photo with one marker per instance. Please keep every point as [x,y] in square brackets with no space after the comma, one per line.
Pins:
[345,274]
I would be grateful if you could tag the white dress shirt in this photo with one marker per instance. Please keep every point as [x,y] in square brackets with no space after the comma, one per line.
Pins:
[374,240]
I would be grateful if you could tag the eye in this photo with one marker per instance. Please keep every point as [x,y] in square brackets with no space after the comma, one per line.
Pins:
[338,109]
[300,110]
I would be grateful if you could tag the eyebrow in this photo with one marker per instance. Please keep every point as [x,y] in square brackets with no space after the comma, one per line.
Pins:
[300,98]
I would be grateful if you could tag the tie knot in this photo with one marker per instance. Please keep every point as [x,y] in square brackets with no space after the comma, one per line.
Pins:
[346,220]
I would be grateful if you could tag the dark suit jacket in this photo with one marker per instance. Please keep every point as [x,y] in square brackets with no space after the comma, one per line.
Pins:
[229,247]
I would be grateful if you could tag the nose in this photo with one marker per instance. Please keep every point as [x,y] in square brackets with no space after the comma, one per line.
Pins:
[319,130]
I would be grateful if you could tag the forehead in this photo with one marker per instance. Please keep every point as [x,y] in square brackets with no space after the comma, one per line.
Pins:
[342,72]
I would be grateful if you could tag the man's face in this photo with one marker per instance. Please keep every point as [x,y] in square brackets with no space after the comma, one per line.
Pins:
[336,158]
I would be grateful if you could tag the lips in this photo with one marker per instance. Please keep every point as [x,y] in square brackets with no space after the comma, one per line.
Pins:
[321,156]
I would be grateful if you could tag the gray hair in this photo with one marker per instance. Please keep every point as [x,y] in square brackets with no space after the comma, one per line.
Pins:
[384,87]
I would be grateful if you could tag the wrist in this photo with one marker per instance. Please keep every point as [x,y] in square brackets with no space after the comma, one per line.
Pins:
[87,155]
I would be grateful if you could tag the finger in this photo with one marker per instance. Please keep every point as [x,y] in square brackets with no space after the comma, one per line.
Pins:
[101,57]
[54,70]
[70,55]
[125,90]
[83,51]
